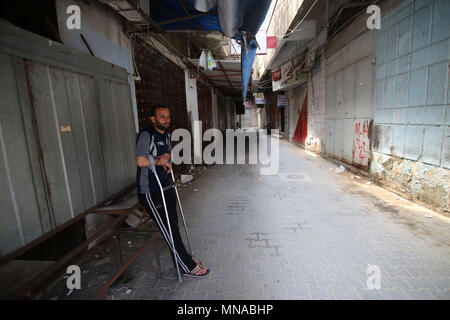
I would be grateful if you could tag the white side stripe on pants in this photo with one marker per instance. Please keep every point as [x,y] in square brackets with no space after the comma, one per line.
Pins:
[165,233]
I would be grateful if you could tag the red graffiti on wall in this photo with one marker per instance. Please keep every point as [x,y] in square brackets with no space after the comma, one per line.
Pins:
[361,140]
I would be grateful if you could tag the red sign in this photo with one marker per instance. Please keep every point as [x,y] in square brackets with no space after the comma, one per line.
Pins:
[271,42]
[276,75]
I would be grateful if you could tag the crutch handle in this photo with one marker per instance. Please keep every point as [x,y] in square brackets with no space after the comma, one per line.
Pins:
[152,163]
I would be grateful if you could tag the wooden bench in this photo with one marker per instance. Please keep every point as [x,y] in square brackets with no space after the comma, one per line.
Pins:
[36,276]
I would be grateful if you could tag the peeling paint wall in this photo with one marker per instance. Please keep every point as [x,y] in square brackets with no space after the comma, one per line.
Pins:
[411,132]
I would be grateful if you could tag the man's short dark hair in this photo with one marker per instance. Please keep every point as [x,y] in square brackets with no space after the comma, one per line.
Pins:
[157,106]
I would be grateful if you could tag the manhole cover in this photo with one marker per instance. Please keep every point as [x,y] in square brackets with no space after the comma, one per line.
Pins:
[294,176]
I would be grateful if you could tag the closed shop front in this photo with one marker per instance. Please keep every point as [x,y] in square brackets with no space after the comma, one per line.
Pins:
[349,101]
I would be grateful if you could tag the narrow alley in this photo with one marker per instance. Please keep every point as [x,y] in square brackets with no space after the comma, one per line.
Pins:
[117,122]
[304,233]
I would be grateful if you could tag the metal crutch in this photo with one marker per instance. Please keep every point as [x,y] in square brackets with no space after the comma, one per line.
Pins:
[181,211]
[152,165]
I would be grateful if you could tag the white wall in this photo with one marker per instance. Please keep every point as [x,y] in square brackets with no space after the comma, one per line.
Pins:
[350,77]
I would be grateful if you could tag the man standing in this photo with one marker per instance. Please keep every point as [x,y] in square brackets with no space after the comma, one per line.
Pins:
[154,141]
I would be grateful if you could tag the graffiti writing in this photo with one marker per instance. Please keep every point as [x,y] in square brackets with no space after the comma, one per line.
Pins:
[360,141]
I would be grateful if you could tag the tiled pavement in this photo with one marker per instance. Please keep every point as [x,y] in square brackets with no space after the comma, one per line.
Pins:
[306,233]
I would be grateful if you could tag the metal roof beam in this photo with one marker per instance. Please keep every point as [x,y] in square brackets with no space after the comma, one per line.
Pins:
[185,18]
[224,72]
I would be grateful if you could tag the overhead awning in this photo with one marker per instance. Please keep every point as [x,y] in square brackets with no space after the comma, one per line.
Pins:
[236,19]
[226,76]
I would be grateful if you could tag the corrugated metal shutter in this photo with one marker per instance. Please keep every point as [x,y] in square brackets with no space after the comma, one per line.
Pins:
[66,134]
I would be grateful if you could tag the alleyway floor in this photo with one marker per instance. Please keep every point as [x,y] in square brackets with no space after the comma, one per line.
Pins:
[305,233]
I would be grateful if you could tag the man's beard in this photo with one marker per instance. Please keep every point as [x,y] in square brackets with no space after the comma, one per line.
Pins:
[160,126]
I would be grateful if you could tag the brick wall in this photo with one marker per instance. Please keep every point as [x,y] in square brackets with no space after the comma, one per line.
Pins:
[411,143]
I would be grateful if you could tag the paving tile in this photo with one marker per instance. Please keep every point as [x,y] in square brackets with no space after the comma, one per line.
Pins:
[419,294]
[332,269]
[367,294]
[188,284]
[351,281]
[215,296]
[283,277]
[208,285]
[321,293]
[340,231]
[224,275]
[345,293]
[295,292]
[440,295]
[311,268]
[173,294]
[151,294]
[189,295]
[397,282]
[420,283]
[327,280]
[252,288]
[441,283]
[230,287]
[265,277]
[418,271]
[395,294]
[270,289]
[305,280]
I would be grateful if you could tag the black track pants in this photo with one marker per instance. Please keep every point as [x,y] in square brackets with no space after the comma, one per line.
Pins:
[152,202]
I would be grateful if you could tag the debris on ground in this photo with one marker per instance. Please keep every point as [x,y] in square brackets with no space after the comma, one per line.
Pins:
[356,177]
[69,292]
[195,190]
[54,298]
[185,178]
[134,218]
[129,291]
[428,216]
[340,169]
[369,182]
